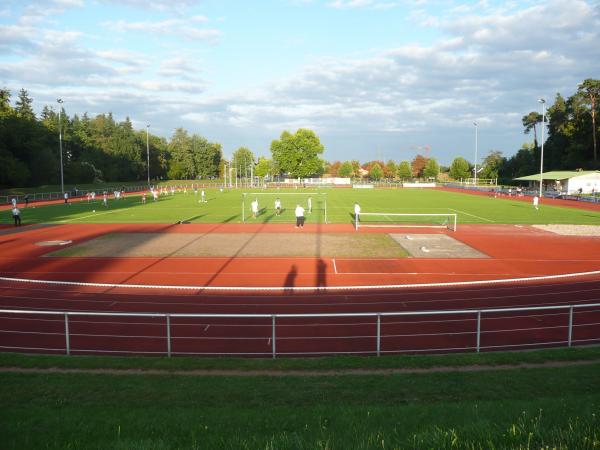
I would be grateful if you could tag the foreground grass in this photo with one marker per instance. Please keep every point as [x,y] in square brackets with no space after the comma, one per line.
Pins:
[521,408]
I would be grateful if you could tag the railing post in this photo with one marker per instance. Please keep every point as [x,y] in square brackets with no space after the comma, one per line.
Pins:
[378,334]
[67,338]
[168,335]
[274,346]
[570,325]
[478,330]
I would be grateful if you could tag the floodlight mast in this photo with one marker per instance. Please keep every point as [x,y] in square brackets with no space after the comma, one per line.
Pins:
[62,182]
[543,102]
[476,151]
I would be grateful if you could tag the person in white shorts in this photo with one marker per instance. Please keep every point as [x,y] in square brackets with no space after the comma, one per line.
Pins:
[254,207]
[277,206]
[536,202]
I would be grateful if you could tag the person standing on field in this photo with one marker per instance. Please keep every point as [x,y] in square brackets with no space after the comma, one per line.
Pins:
[14,202]
[536,202]
[299,216]
[356,211]
[66,198]
[277,206]
[16,216]
[254,207]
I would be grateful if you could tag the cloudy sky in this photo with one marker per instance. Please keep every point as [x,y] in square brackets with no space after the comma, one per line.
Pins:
[374,78]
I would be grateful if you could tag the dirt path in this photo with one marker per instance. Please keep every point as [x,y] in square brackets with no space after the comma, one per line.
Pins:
[299,373]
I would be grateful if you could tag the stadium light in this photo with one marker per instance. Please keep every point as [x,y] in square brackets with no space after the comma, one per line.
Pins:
[148,150]
[62,182]
[475,170]
[543,102]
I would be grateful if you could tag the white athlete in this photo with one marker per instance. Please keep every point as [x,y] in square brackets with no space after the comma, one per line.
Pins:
[356,211]
[254,207]
[536,202]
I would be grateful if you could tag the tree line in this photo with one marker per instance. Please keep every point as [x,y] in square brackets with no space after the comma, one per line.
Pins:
[102,149]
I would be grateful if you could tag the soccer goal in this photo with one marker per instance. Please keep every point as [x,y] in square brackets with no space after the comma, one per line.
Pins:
[389,220]
[314,204]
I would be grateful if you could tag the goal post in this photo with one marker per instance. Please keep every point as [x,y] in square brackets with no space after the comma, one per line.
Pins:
[405,220]
[288,200]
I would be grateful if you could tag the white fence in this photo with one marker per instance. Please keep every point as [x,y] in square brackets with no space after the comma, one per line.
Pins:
[272,335]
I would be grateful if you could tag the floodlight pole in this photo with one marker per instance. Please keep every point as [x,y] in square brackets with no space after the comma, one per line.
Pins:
[148,150]
[476,128]
[543,102]
[62,182]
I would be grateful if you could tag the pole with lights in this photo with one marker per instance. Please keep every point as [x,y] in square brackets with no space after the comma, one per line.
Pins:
[543,102]
[62,181]
[476,151]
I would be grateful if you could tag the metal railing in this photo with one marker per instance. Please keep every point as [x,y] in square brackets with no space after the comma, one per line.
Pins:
[273,335]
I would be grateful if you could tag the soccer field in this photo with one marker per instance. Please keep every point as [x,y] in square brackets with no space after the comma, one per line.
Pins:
[226,207]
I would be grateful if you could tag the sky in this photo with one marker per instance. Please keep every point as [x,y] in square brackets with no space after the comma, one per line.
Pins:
[375,79]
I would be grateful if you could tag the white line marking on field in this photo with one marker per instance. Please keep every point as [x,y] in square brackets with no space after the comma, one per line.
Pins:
[334,266]
[206,327]
[269,342]
[472,215]
[85,217]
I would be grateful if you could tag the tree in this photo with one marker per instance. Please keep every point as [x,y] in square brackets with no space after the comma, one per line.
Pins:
[242,159]
[431,169]
[265,167]
[590,90]
[530,122]
[492,164]
[333,168]
[417,165]
[390,169]
[297,154]
[404,170]
[376,172]
[23,105]
[346,170]
[459,168]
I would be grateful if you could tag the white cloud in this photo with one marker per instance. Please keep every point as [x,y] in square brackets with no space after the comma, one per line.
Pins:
[186,27]
[355,4]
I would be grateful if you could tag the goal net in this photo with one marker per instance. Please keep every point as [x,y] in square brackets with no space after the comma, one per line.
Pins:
[314,204]
[390,220]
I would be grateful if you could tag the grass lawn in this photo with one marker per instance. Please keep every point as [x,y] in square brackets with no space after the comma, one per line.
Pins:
[226,207]
[558,407]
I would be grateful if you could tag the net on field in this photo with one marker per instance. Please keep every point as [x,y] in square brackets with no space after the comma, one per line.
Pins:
[405,220]
[314,204]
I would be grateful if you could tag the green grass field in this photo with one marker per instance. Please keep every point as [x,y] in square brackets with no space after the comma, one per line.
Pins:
[226,207]
[520,408]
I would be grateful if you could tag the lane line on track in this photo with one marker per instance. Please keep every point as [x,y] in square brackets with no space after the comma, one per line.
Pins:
[334,266]
[308,288]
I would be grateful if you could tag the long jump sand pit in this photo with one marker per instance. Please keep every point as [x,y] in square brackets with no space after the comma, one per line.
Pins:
[301,244]
[435,246]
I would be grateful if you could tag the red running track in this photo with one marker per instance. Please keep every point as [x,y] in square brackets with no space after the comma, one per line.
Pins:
[513,252]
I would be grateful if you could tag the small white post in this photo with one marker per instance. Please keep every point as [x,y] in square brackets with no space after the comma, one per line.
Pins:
[273,337]
[478,331]
[168,335]
[378,334]
[570,326]
[67,338]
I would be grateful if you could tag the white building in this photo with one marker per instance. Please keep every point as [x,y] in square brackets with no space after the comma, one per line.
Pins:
[566,182]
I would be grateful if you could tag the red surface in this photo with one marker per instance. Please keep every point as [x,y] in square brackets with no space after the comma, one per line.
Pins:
[513,252]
